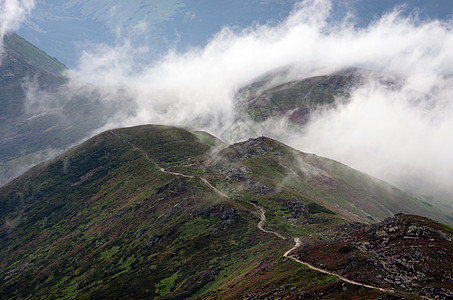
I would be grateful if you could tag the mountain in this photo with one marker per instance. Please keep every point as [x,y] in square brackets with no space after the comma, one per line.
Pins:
[27,56]
[158,211]
[285,92]
[274,95]
[282,92]
[40,115]
[56,26]
[21,61]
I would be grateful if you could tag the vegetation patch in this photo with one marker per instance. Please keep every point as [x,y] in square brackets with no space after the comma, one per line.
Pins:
[346,249]
[315,208]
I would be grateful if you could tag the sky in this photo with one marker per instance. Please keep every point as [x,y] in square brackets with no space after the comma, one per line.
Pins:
[401,134]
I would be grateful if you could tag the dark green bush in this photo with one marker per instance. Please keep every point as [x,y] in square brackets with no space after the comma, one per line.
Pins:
[346,249]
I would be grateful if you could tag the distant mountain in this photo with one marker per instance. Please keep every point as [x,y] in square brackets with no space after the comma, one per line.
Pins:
[157,211]
[39,114]
[27,56]
[56,26]
[273,95]
[281,92]
[20,61]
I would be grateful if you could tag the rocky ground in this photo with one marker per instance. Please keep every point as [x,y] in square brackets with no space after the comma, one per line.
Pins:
[405,253]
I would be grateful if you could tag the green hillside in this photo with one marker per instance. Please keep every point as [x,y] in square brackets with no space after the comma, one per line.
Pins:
[33,55]
[161,212]
[39,114]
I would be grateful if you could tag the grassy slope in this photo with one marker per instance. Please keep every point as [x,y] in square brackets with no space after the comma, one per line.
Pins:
[33,55]
[295,175]
[53,118]
[103,220]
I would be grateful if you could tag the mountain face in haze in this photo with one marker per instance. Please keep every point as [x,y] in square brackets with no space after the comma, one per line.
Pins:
[272,95]
[277,94]
[56,26]
[22,62]
[39,114]
[304,101]
[158,211]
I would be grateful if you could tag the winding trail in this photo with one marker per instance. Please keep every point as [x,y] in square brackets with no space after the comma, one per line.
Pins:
[263,219]
[175,173]
[205,181]
[262,213]
[297,244]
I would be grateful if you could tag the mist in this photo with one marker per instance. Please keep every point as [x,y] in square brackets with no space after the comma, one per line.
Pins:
[402,134]
[12,14]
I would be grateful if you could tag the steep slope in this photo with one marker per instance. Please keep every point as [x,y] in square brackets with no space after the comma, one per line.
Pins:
[22,60]
[29,55]
[276,172]
[157,211]
[39,114]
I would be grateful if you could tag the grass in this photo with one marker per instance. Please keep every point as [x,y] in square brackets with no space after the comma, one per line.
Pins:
[102,221]
[37,57]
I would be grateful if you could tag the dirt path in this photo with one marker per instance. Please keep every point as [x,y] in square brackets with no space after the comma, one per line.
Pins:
[263,219]
[262,213]
[297,244]
[174,173]
[205,181]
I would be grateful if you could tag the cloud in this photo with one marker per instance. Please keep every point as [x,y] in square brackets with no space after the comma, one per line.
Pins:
[399,134]
[12,14]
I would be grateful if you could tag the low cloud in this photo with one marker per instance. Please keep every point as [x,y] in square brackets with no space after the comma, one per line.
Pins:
[12,14]
[401,134]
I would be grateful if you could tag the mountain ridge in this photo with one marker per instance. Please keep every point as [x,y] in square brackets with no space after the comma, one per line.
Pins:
[166,211]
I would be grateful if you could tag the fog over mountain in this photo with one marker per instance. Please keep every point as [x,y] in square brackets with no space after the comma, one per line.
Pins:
[13,13]
[400,133]
[250,163]
[397,134]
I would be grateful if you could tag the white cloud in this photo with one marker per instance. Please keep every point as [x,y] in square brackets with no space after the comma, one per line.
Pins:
[12,14]
[396,134]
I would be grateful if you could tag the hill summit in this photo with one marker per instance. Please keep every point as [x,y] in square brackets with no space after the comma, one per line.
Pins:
[158,211]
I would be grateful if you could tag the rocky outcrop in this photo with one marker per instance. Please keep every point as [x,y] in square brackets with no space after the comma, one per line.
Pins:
[406,253]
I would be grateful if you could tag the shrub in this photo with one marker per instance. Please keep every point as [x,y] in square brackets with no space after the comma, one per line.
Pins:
[346,249]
